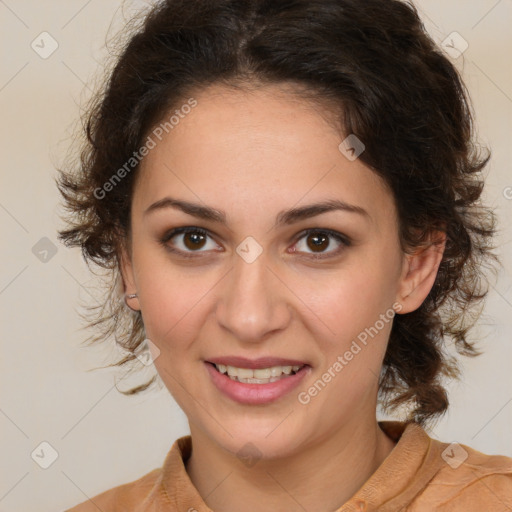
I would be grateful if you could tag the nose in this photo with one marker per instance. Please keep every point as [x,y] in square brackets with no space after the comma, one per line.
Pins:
[253,301]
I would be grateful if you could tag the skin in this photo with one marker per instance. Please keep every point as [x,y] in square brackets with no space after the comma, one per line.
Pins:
[252,155]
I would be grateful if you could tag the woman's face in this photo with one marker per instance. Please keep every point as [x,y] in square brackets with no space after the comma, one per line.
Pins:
[247,286]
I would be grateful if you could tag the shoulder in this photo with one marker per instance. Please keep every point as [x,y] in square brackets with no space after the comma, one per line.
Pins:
[123,497]
[147,494]
[468,480]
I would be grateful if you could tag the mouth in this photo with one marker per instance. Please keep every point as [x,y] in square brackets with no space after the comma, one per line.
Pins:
[258,375]
[258,381]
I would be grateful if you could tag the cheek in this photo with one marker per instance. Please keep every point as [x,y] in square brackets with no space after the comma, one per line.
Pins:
[173,300]
[354,298]
[358,311]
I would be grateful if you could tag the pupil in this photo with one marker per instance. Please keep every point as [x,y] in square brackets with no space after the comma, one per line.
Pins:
[318,241]
[193,240]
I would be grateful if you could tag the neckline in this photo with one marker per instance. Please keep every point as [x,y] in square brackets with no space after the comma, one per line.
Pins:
[400,477]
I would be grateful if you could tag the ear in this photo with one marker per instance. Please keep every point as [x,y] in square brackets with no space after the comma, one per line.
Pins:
[419,273]
[128,278]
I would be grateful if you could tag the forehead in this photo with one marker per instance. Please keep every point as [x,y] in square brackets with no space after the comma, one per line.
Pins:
[260,150]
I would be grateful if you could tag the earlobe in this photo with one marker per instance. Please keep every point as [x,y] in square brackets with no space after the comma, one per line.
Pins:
[419,273]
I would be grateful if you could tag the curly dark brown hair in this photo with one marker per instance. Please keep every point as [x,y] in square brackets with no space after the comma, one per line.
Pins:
[389,84]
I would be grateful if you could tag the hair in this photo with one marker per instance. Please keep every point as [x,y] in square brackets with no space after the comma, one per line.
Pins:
[388,83]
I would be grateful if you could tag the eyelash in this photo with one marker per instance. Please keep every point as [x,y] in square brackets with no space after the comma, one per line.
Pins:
[342,239]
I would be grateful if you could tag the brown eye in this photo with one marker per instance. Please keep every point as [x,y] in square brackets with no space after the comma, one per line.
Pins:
[194,240]
[188,240]
[317,242]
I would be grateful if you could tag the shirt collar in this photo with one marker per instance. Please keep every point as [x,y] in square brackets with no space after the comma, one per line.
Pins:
[402,475]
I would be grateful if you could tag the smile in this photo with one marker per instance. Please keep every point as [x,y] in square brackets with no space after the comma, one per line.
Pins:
[258,376]
[256,386]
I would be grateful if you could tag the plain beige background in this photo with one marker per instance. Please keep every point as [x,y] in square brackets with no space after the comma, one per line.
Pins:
[101,438]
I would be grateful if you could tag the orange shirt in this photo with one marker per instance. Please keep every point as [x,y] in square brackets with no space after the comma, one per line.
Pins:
[420,474]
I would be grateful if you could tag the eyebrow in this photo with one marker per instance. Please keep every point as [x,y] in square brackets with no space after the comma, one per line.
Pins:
[285,217]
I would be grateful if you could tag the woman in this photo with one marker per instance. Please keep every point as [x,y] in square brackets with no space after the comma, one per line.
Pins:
[289,195]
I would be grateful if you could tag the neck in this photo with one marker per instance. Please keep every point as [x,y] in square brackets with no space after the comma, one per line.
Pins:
[321,477]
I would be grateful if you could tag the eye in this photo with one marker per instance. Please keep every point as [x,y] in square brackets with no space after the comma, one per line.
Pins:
[318,240]
[187,240]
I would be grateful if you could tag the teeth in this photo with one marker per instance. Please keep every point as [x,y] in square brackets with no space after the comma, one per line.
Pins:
[276,371]
[258,376]
[232,371]
[243,373]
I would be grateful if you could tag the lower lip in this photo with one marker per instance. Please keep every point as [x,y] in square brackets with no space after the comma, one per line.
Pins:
[254,394]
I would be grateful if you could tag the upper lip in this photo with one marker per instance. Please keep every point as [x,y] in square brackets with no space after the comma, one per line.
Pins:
[261,362]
